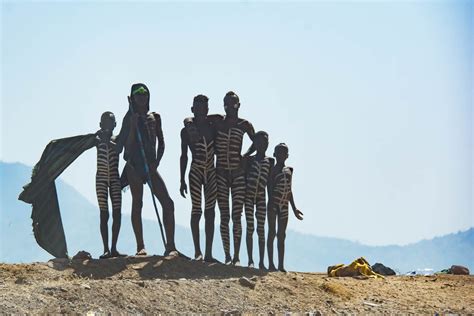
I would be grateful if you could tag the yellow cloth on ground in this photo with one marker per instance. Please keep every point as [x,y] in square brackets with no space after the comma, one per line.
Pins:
[358,267]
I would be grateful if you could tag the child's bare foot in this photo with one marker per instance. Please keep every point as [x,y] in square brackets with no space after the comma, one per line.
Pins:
[141,252]
[281,269]
[261,266]
[106,255]
[272,267]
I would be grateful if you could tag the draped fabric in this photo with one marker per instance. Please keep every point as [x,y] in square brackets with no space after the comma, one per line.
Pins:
[41,191]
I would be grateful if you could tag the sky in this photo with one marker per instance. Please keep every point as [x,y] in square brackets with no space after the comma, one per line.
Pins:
[374,99]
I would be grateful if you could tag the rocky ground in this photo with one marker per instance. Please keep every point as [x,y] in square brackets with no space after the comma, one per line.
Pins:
[175,285]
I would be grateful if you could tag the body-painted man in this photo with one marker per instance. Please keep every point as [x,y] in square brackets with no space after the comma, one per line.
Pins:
[198,136]
[258,168]
[230,172]
[279,196]
[107,180]
[139,120]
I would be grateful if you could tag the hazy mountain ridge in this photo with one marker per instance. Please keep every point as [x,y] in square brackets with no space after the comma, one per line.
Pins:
[305,252]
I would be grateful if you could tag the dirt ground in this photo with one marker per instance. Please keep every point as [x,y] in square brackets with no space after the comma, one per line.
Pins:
[175,285]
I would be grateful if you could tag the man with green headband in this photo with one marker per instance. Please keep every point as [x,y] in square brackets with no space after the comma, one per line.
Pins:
[135,174]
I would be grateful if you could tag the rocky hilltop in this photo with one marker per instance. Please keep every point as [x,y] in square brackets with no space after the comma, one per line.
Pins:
[158,284]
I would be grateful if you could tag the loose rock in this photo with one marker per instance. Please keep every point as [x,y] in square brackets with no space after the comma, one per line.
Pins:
[246,282]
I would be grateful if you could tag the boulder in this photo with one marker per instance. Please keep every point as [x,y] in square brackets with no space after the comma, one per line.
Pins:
[383,270]
[459,270]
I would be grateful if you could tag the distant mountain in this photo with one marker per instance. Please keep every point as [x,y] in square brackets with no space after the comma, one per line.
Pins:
[304,252]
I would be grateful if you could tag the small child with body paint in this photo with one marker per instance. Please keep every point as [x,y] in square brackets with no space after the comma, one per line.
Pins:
[108,180]
[279,196]
[258,168]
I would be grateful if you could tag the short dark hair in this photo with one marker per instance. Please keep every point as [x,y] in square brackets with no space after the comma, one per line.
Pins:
[281,146]
[107,114]
[261,134]
[200,98]
[231,95]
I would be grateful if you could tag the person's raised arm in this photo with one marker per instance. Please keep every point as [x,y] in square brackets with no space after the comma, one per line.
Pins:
[183,162]
[123,136]
[132,130]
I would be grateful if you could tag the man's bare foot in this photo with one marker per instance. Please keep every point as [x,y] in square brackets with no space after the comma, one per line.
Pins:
[281,269]
[141,252]
[228,259]
[271,267]
[236,262]
[210,259]
[261,266]
[171,252]
[106,255]
[116,254]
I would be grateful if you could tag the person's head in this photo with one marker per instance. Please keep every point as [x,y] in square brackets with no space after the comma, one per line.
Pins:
[140,97]
[231,104]
[107,122]
[200,106]
[261,141]
[281,152]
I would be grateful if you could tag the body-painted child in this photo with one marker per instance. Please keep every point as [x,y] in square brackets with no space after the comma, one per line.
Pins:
[258,168]
[107,180]
[280,195]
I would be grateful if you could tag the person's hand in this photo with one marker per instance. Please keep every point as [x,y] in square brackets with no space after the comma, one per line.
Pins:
[183,188]
[298,214]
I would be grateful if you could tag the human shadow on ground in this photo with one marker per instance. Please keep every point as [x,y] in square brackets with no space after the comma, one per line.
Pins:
[152,267]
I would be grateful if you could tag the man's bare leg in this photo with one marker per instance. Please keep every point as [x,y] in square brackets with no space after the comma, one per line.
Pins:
[136,188]
[223,202]
[160,191]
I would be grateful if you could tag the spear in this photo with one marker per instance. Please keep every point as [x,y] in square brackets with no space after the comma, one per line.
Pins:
[147,172]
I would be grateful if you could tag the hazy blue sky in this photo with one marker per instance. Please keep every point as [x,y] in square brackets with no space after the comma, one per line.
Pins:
[374,99]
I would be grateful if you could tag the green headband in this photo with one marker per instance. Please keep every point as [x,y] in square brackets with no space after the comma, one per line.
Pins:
[140,90]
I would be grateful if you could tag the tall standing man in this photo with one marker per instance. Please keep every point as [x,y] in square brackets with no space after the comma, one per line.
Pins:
[198,136]
[139,120]
[230,171]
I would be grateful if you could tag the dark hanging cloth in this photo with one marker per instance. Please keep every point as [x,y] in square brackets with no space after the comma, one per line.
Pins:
[41,191]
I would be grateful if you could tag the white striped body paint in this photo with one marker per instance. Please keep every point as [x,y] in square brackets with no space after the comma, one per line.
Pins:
[107,177]
[255,197]
[203,174]
[230,179]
